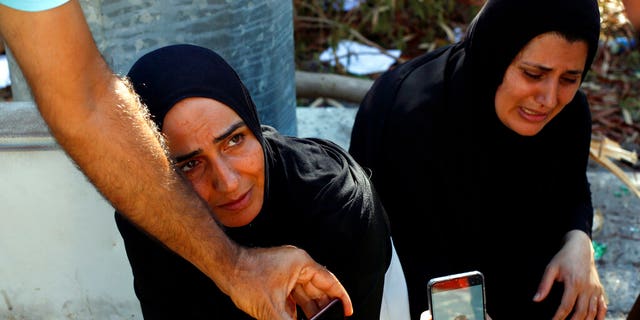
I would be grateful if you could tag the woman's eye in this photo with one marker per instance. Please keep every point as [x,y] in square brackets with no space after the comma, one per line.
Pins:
[533,75]
[188,166]
[236,139]
[570,80]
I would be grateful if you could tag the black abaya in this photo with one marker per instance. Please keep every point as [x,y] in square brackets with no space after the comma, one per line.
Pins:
[462,191]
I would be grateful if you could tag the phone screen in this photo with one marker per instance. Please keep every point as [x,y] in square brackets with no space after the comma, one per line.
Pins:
[457,297]
[332,311]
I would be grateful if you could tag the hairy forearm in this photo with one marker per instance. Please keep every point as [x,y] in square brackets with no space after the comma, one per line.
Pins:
[119,150]
[99,122]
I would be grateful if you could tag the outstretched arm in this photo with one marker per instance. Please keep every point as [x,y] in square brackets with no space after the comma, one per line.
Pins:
[101,125]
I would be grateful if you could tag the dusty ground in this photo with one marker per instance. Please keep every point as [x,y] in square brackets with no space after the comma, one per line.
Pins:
[616,239]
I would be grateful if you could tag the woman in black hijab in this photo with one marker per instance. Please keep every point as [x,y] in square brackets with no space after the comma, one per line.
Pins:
[264,188]
[479,152]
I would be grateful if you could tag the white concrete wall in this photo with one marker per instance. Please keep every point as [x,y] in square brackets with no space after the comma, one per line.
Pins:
[61,256]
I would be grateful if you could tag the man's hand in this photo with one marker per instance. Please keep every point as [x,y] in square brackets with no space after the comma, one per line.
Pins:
[267,283]
[574,266]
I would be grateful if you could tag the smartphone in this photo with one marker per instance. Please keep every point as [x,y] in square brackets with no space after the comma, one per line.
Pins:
[332,311]
[457,297]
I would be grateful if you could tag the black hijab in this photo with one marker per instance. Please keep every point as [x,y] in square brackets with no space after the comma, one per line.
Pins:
[169,74]
[503,27]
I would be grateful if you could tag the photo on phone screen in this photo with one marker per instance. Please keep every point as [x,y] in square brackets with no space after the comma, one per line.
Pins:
[457,297]
[332,311]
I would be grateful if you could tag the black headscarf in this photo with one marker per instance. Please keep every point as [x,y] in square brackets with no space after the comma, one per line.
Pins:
[169,74]
[503,27]
[446,167]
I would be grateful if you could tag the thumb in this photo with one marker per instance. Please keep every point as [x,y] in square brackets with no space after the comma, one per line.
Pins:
[545,285]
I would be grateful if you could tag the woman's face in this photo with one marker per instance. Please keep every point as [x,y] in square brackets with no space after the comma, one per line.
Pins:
[540,82]
[221,157]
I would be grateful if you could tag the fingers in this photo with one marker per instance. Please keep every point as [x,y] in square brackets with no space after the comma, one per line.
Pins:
[586,307]
[292,277]
[321,285]
[593,307]
[602,307]
[594,303]
[567,303]
[304,298]
[546,283]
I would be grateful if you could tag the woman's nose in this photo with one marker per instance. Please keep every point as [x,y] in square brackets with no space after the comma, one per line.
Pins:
[547,96]
[225,177]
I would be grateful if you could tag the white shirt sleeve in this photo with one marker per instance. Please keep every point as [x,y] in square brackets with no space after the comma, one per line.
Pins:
[32,5]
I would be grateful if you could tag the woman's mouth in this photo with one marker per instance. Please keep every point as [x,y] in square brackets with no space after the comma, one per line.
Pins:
[237,204]
[532,115]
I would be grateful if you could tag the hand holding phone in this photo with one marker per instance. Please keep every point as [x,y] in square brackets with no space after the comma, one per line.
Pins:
[332,311]
[457,297]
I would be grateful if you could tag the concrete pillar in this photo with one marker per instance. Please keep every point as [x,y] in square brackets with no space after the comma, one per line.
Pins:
[255,37]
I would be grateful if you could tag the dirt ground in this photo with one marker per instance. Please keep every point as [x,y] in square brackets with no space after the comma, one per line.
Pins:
[616,238]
